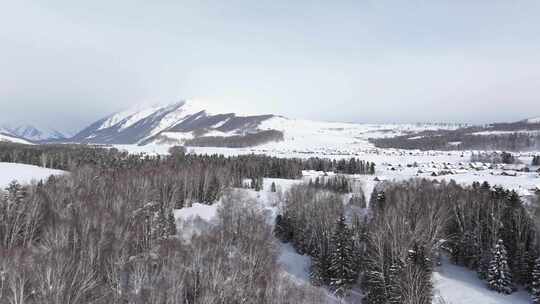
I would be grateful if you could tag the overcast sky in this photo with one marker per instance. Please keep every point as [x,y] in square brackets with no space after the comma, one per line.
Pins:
[66,63]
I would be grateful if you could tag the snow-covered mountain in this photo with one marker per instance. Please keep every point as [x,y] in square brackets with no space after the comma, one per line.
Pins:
[174,124]
[32,133]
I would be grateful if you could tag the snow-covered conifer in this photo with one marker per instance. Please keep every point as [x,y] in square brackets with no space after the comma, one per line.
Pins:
[499,275]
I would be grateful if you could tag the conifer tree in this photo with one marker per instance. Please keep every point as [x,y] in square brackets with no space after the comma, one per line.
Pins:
[342,267]
[320,268]
[172,224]
[212,193]
[273,187]
[15,192]
[499,275]
[282,229]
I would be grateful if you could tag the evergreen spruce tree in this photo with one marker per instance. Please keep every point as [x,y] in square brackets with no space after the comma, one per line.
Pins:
[258,184]
[282,229]
[15,192]
[172,224]
[485,186]
[273,187]
[320,268]
[499,275]
[535,286]
[212,193]
[342,268]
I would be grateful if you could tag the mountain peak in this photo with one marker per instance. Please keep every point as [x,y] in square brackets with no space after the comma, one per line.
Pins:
[176,121]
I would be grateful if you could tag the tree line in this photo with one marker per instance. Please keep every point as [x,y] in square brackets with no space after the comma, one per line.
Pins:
[68,157]
[493,158]
[339,183]
[461,139]
[237,141]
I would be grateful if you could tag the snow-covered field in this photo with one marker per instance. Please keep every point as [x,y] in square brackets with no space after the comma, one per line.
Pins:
[458,285]
[24,173]
[395,164]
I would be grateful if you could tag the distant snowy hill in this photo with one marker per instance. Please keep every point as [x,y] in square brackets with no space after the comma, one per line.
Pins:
[33,133]
[172,124]
[534,120]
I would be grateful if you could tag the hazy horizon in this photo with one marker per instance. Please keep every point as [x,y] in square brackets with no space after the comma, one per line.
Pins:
[66,64]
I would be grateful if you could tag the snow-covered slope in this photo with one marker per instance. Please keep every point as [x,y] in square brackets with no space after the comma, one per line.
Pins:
[7,137]
[24,173]
[333,137]
[171,124]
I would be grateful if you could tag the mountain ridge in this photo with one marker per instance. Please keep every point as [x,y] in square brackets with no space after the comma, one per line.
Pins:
[175,122]
[32,133]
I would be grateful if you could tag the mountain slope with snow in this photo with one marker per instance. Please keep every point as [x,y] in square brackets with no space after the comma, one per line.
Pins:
[13,139]
[7,136]
[171,124]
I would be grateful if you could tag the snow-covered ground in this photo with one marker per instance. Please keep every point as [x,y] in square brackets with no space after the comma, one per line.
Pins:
[310,135]
[395,164]
[24,173]
[458,285]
